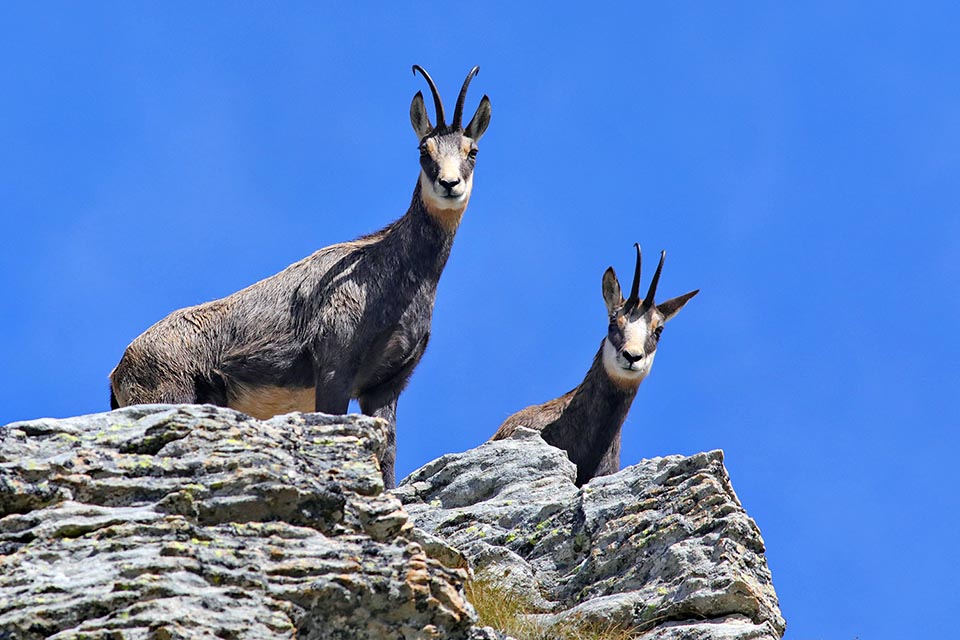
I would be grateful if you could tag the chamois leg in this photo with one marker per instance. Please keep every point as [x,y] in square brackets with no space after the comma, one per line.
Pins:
[167,393]
[385,406]
[610,463]
[333,405]
[332,394]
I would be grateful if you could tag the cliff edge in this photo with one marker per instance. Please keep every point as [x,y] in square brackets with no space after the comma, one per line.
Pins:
[194,521]
[662,548]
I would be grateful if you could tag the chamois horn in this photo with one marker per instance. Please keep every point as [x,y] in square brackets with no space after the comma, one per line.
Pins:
[634,300]
[438,105]
[458,111]
[648,301]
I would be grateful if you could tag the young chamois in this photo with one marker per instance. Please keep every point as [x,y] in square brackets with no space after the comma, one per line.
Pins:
[350,321]
[586,421]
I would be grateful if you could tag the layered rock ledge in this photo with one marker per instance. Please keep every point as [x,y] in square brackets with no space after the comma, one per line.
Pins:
[198,522]
[168,522]
[663,547]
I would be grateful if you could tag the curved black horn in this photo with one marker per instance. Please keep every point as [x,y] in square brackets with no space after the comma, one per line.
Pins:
[458,110]
[653,284]
[634,298]
[438,105]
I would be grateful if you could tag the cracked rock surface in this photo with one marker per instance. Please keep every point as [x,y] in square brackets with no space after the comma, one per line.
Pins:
[199,522]
[663,547]
[168,522]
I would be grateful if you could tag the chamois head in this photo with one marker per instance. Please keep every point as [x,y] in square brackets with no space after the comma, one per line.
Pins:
[447,152]
[635,325]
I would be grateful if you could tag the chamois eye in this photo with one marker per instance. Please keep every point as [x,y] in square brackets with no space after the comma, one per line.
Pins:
[657,332]
[473,152]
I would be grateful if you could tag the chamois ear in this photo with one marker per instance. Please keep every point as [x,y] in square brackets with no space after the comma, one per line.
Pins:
[611,291]
[418,116]
[480,121]
[672,306]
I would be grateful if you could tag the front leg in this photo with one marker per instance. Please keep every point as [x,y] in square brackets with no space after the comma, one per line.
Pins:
[385,406]
[386,379]
[332,394]
[610,463]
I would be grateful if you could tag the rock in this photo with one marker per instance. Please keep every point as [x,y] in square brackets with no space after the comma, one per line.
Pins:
[194,521]
[663,547]
[175,522]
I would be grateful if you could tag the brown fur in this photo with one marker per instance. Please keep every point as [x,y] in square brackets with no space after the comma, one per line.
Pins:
[266,402]
[535,417]
[350,321]
[586,421]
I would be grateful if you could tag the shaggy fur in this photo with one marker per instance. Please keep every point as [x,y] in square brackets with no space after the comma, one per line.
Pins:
[350,321]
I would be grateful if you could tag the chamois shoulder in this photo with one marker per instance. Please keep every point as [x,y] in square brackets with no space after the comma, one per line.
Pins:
[537,416]
[324,258]
[276,289]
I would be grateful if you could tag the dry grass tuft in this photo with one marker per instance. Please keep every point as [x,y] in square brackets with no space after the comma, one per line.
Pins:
[505,612]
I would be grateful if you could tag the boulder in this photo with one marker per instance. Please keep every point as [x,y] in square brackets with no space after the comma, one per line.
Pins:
[663,548]
[163,522]
[200,522]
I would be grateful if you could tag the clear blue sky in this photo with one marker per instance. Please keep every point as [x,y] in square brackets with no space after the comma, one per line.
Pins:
[799,165]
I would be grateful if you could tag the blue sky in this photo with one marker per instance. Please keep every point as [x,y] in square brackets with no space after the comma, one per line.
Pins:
[798,164]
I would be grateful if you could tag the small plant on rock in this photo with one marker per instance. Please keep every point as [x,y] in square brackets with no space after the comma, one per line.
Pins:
[505,611]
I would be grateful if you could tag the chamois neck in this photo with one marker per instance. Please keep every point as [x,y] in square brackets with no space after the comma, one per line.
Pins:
[447,219]
[590,425]
[415,243]
[610,398]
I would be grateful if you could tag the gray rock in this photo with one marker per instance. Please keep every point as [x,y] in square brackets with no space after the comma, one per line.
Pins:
[180,522]
[193,521]
[663,547]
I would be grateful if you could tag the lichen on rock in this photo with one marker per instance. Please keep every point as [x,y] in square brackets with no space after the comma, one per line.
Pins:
[195,521]
[663,547]
[166,522]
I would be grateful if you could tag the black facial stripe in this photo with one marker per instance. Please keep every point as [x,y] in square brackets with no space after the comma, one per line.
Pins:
[466,167]
[615,335]
[650,345]
[431,168]
[447,144]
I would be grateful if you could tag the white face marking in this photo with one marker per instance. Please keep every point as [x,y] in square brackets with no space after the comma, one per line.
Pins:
[446,195]
[631,363]
[449,171]
[447,210]
[455,198]
[635,337]
[623,372]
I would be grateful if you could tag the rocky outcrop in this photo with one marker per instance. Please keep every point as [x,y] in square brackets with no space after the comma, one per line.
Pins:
[190,522]
[663,547]
[161,522]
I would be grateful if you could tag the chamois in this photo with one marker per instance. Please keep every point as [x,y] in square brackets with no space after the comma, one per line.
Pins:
[586,421]
[350,321]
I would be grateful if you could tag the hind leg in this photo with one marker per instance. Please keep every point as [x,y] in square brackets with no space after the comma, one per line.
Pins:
[125,392]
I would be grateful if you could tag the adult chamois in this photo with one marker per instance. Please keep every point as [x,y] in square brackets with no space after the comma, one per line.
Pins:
[586,421]
[350,321]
